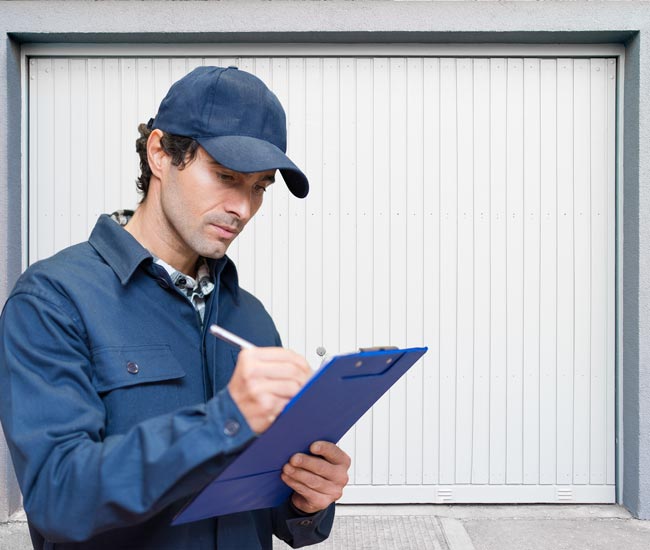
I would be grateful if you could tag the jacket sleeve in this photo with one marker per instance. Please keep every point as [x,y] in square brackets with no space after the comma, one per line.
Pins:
[76,482]
[298,529]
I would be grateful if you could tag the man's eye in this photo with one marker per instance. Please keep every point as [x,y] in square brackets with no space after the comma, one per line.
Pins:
[225,177]
[260,189]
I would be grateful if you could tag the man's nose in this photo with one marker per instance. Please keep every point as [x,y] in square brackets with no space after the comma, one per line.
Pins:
[239,203]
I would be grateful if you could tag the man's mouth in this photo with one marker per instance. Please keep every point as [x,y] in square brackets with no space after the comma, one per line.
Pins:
[225,231]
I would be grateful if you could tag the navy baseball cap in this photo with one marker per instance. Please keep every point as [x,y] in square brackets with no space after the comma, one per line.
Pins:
[235,118]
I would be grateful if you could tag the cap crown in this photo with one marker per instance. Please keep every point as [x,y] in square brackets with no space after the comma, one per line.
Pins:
[216,102]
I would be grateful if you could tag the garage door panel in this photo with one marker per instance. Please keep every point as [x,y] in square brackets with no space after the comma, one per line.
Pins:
[431,271]
[414,263]
[380,193]
[482,252]
[610,191]
[498,271]
[466,204]
[548,269]
[531,271]
[514,251]
[565,271]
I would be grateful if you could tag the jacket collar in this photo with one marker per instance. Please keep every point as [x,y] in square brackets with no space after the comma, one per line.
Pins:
[224,270]
[124,254]
[120,250]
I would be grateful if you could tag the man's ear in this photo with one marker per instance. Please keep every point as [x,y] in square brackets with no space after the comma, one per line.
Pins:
[156,155]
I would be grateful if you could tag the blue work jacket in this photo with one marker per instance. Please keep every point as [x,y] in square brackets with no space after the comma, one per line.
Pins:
[114,403]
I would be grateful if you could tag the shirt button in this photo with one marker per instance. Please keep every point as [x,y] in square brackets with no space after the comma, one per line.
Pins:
[231,427]
[132,367]
[305,522]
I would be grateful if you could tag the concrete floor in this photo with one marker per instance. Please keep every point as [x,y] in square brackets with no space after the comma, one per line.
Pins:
[458,527]
[491,527]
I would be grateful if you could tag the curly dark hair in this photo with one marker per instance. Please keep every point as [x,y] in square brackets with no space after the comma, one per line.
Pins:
[181,149]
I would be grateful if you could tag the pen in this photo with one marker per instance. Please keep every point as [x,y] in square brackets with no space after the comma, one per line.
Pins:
[229,337]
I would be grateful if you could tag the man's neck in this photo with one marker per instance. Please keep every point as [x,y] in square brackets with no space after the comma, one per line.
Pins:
[152,231]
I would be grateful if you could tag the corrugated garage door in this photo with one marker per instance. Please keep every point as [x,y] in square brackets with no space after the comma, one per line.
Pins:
[466,204]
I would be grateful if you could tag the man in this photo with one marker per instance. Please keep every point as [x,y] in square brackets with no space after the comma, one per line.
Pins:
[117,404]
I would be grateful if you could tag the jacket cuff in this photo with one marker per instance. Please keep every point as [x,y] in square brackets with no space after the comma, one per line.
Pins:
[231,423]
[297,512]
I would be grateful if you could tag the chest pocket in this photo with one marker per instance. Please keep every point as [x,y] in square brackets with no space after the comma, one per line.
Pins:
[136,383]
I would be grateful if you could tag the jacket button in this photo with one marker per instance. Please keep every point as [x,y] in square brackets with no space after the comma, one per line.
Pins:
[231,427]
[305,522]
[163,283]
[132,367]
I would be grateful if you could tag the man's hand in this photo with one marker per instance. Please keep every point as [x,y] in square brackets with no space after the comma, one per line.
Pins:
[264,381]
[317,480]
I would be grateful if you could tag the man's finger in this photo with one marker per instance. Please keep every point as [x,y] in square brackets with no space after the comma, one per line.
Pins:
[274,371]
[316,465]
[317,471]
[330,452]
[264,380]
[307,499]
[308,478]
[308,492]
[275,356]
[284,389]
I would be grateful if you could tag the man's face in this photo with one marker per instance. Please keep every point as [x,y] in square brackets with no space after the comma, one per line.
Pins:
[206,205]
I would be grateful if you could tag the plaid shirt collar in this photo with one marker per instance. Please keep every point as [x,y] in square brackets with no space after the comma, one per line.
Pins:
[201,286]
[196,289]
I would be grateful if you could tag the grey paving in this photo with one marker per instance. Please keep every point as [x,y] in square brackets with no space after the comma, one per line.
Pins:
[14,536]
[572,534]
[491,527]
[384,532]
[458,527]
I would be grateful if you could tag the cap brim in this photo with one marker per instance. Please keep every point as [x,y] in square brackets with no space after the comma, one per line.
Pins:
[249,154]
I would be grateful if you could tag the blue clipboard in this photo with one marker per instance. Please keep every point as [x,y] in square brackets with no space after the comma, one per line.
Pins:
[335,397]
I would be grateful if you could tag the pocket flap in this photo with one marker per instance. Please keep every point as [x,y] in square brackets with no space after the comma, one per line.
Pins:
[121,366]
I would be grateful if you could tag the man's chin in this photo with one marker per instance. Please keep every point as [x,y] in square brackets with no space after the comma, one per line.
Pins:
[212,248]
[214,253]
